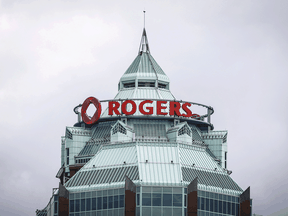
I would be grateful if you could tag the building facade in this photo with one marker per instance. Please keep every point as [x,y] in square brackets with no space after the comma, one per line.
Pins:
[147,154]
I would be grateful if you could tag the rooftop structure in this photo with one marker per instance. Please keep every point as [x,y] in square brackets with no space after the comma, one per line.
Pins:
[148,154]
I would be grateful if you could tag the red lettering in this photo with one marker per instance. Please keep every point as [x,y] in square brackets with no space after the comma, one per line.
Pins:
[160,107]
[174,108]
[150,112]
[113,107]
[187,110]
[124,110]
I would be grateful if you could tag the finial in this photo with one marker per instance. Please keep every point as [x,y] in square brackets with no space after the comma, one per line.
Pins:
[144,17]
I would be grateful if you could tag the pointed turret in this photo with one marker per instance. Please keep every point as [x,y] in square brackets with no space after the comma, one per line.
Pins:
[145,75]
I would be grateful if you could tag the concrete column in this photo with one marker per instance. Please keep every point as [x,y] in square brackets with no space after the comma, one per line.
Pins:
[130,197]
[192,198]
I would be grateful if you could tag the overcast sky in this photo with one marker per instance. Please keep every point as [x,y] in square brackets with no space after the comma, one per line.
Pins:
[231,55]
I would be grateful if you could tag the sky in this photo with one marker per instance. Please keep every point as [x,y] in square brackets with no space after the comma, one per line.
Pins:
[231,55]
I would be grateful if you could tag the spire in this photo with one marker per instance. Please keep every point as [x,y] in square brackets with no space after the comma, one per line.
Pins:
[144,46]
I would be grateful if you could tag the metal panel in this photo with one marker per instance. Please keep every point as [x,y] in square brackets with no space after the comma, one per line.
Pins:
[209,178]
[101,176]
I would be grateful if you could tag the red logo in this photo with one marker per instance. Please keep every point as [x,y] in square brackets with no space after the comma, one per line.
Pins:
[85,105]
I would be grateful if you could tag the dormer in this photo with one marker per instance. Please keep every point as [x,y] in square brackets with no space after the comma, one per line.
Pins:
[121,132]
[180,133]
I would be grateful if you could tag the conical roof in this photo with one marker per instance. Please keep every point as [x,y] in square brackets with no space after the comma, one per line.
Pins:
[144,72]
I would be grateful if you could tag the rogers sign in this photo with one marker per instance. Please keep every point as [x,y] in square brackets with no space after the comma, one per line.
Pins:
[117,108]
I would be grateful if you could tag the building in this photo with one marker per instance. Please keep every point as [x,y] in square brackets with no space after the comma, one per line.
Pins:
[148,154]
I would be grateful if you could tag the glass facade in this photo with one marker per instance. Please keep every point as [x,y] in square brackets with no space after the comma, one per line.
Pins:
[97,203]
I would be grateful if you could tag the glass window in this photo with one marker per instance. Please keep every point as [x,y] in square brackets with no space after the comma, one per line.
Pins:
[167,199]
[224,207]
[207,194]
[104,192]
[121,191]
[138,199]
[177,199]
[110,202]
[228,207]
[167,190]
[229,198]
[233,208]
[198,202]
[216,196]
[146,189]
[156,211]
[115,201]
[237,209]
[177,190]
[156,199]
[116,191]
[104,202]
[185,198]
[93,203]
[185,190]
[83,195]
[99,203]
[224,198]
[146,199]
[77,205]
[202,203]
[71,205]
[233,199]
[146,211]
[216,203]
[177,211]
[211,205]
[121,201]
[156,189]
[55,207]
[88,204]
[82,204]
[167,211]
[137,189]
[220,207]
[99,193]
[207,204]
[220,196]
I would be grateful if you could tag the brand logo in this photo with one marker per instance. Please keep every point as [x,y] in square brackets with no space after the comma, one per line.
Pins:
[85,105]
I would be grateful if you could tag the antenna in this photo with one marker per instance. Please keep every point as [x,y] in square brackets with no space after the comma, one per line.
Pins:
[144,17]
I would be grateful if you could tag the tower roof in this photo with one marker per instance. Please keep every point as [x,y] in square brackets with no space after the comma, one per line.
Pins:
[144,67]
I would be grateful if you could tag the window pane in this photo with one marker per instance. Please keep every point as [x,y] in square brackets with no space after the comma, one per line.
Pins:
[229,207]
[156,211]
[167,199]
[177,199]
[220,207]
[167,190]
[104,202]
[82,204]
[233,208]
[216,202]
[177,211]
[146,199]
[224,207]
[110,202]
[211,205]
[115,201]
[138,199]
[185,198]
[198,202]
[237,209]
[71,205]
[93,203]
[88,204]
[146,211]
[156,199]
[99,203]
[77,205]
[202,203]
[121,201]
[167,211]
[55,207]
[207,204]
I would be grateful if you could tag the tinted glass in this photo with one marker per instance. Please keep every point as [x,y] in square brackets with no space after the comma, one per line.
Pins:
[202,203]
[77,205]
[228,207]
[71,205]
[233,208]
[216,202]
[167,199]
[220,207]
[207,204]
[88,204]
[224,207]
[167,211]
[156,199]
[138,199]
[104,202]
[99,203]
[115,201]
[82,204]
[110,202]
[177,199]
[167,190]
[146,199]
[211,205]
[93,203]
[121,201]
